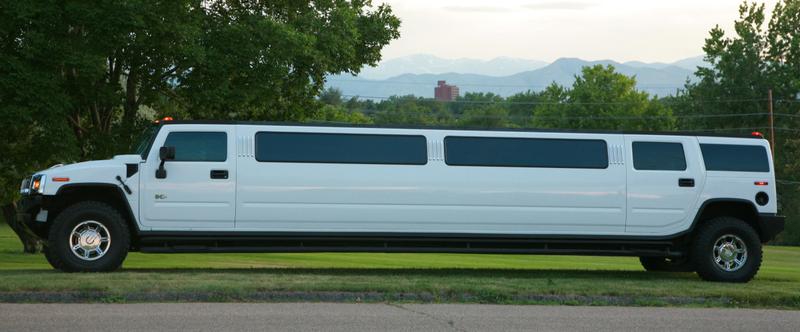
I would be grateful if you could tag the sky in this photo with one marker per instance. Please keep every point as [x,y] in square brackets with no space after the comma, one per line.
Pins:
[621,30]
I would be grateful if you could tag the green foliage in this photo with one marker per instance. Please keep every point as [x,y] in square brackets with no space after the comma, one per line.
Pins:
[267,60]
[488,116]
[744,67]
[79,79]
[337,114]
[601,99]
[410,110]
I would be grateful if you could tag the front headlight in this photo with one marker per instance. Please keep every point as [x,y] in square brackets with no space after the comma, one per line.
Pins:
[25,187]
[37,184]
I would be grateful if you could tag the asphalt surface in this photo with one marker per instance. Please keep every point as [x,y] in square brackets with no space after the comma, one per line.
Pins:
[384,317]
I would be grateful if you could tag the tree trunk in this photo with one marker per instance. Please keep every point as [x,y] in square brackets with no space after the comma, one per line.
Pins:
[30,243]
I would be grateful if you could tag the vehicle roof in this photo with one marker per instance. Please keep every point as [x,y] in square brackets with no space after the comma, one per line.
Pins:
[533,130]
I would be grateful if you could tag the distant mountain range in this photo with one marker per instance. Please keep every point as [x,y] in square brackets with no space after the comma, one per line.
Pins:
[430,64]
[418,74]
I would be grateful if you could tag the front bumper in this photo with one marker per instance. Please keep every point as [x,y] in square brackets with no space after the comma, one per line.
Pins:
[771,225]
[28,207]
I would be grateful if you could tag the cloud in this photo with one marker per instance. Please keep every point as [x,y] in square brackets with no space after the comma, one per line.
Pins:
[477,9]
[558,5]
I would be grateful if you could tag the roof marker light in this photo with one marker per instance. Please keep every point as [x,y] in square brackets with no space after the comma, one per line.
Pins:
[761,183]
[757,133]
[164,119]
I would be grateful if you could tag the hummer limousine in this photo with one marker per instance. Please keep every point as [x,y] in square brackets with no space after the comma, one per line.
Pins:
[678,201]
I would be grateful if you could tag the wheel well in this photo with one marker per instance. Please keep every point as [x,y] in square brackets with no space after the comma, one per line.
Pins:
[109,194]
[740,209]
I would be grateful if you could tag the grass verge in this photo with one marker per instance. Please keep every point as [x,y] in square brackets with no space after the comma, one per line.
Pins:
[433,278]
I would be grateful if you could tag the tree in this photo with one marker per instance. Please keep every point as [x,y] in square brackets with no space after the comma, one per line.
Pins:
[404,110]
[486,116]
[601,98]
[80,78]
[331,96]
[737,81]
[743,68]
[338,114]
[267,60]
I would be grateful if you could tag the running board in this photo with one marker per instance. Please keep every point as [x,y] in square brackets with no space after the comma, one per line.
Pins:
[249,244]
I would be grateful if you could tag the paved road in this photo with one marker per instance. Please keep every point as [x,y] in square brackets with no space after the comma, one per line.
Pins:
[385,317]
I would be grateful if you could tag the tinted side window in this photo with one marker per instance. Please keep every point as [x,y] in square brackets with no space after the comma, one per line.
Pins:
[525,152]
[658,156]
[736,158]
[199,146]
[341,148]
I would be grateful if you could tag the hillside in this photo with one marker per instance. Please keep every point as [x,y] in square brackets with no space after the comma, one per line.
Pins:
[658,79]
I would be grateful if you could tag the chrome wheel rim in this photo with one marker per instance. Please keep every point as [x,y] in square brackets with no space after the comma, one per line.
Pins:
[730,252]
[89,240]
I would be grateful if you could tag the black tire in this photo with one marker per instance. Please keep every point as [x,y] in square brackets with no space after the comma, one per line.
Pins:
[50,257]
[663,264]
[702,250]
[59,251]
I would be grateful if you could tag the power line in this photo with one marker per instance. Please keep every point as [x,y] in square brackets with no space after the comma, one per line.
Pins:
[610,117]
[503,102]
[483,85]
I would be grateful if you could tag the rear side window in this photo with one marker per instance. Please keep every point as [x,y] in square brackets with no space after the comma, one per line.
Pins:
[525,152]
[658,156]
[199,146]
[735,158]
[341,148]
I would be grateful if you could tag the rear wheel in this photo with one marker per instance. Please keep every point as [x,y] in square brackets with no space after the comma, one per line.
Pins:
[726,249]
[663,264]
[88,237]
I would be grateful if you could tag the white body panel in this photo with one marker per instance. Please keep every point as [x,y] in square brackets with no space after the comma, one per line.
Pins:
[188,199]
[432,198]
[656,203]
[97,172]
[739,185]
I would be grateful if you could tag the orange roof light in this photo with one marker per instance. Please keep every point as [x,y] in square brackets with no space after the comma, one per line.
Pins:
[164,119]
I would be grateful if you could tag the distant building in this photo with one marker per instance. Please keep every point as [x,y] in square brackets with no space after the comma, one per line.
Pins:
[445,92]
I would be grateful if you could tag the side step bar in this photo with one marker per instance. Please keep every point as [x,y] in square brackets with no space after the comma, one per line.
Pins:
[250,244]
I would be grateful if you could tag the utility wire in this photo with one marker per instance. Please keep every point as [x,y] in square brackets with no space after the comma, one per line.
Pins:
[503,102]
[591,117]
[531,86]
[372,82]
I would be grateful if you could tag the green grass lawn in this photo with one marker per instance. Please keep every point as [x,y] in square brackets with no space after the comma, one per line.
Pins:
[395,277]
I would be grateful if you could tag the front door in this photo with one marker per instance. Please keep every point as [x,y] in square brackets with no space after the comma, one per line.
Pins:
[199,189]
[665,178]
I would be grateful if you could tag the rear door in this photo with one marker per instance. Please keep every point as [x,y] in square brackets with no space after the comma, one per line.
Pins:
[199,190]
[664,180]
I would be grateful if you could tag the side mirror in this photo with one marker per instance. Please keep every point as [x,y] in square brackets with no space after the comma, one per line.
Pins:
[165,153]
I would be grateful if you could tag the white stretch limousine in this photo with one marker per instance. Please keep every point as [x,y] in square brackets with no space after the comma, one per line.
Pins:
[678,201]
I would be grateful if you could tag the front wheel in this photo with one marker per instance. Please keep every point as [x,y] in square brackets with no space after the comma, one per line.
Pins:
[726,249]
[88,237]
